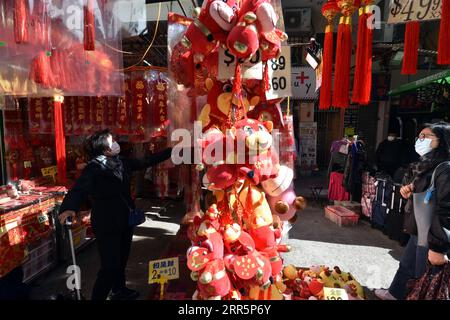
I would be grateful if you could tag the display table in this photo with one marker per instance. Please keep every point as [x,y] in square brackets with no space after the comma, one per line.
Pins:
[30,233]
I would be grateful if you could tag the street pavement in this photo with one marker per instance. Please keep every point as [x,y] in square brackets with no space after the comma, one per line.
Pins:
[367,253]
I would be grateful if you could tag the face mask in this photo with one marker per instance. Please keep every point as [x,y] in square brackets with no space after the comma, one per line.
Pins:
[115,149]
[391,138]
[423,147]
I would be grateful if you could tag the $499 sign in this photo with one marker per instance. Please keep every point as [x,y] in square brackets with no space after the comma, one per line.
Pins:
[402,11]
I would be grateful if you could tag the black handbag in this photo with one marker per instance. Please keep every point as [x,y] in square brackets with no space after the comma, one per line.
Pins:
[137,215]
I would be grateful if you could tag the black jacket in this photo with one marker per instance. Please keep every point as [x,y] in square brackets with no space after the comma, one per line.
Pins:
[438,236]
[110,196]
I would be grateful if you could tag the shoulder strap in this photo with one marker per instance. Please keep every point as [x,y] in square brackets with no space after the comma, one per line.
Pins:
[434,173]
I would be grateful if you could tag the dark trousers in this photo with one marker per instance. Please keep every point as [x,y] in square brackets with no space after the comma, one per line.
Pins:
[114,249]
[412,266]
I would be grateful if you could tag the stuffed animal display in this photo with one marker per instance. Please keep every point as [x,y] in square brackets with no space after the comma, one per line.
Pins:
[236,245]
[309,284]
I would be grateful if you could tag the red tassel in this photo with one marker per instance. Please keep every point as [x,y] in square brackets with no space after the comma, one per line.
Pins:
[366,86]
[341,92]
[444,34]
[327,70]
[60,141]
[41,70]
[21,17]
[360,58]
[89,26]
[362,85]
[411,50]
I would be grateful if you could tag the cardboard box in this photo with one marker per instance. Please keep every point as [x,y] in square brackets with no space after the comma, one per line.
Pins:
[341,216]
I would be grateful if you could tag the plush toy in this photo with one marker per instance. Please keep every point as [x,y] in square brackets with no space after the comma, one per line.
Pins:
[243,40]
[270,37]
[218,156]
[217,110]
[257,211]
[281,195]
[261,163]
[213,281]
[211,26]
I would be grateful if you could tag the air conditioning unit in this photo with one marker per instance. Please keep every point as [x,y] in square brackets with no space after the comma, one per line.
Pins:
[297,20]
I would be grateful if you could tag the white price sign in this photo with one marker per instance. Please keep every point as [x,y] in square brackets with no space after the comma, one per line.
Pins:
[280,75]
[402,11]
[251,69]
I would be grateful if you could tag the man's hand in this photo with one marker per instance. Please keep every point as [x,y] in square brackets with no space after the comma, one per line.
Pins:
[406,191]
[66,214]
[436,258]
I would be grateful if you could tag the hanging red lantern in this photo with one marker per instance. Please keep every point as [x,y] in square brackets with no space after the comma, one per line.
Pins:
[329,10]
[341,92]
[89,26]
[444,35]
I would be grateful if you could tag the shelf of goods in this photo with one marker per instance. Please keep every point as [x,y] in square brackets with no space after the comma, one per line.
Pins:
[30,234]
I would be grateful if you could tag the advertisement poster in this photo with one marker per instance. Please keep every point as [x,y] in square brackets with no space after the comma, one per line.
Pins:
[308,146]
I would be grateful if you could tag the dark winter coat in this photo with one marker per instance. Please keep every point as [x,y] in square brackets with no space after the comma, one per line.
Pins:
[110,195]
[439,234]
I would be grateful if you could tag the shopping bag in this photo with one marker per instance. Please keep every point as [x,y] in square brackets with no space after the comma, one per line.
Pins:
[433,285]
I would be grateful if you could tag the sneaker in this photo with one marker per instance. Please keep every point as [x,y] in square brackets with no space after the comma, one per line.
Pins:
[124,294]
[384,294]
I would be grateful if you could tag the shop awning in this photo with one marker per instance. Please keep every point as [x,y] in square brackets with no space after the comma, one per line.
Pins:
[421,83]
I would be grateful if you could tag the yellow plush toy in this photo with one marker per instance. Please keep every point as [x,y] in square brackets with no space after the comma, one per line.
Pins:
[259,211]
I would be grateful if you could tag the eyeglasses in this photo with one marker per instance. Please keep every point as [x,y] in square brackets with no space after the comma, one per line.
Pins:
[423,136]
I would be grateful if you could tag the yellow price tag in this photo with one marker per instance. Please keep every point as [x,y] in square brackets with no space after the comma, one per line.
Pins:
[163,270]
[335,294]
[49,171]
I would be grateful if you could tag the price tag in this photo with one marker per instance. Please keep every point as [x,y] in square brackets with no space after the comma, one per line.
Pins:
[251,69]
[402,11]
[280,75]
[167,269]
[49,171]
[27,164]
[335,294]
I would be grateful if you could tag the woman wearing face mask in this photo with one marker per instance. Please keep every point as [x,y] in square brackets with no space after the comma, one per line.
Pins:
[107,180]
[433,146]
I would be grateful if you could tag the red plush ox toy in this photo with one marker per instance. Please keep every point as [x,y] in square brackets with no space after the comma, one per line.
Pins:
[211,27]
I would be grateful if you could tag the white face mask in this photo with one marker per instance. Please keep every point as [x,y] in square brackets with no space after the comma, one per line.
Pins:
[424,146]
[391,138]
[115,149]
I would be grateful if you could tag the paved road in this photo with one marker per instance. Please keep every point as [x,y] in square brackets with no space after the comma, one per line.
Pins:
[365,252]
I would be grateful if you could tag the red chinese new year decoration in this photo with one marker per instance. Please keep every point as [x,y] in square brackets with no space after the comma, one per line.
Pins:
[123,114]
[111,113]
[70,104]
[329,10]
[47,116]
[341,92]
[82,116]
[444,35]
[362,84]
[60,140]
[159,100]
[21,16]
[140,105]
[89,26]
[35,115]
[411,50]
